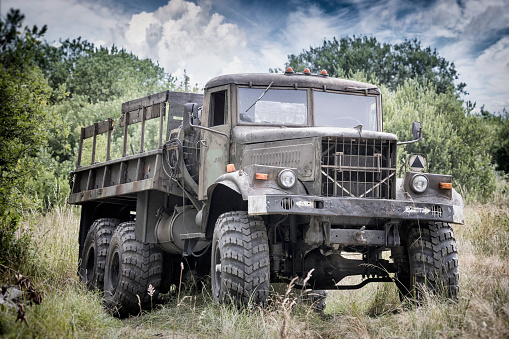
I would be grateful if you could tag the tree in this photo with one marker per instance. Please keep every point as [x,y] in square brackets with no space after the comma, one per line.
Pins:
[24,124]
[498,125]
[18,47]
[392,65]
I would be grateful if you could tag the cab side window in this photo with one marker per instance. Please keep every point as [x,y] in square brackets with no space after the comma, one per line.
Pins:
[218,108]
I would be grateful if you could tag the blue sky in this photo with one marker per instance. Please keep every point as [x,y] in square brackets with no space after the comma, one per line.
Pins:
[213,37]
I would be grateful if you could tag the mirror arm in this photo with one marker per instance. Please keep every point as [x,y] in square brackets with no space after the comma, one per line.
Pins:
[209,129]
[411,141]
[416,127]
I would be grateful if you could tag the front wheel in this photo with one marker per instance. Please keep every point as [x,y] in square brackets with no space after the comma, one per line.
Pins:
[240,270]
[432,261]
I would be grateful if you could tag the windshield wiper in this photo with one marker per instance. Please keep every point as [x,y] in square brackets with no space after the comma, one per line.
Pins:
[261,96]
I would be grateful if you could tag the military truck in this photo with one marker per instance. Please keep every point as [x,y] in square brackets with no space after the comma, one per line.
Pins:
[262,179]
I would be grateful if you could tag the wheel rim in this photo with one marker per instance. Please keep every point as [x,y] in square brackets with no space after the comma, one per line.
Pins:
[217,270]
[89,265]
[115,270]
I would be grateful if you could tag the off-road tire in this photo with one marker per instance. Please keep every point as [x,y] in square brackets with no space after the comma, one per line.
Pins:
[131,267]
[95,249]
[240,266]
[432,262]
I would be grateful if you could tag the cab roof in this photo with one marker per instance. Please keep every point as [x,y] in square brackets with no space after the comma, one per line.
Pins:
[294,80]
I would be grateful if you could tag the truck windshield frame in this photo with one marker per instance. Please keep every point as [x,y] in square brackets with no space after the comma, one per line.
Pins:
[275,107]
[291,107]
[345,110]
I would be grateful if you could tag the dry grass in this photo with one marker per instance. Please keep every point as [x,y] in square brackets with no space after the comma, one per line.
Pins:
[68,310]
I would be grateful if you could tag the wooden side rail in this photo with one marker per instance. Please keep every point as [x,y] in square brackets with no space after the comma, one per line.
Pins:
[141,110]
[136,111]
[92,131]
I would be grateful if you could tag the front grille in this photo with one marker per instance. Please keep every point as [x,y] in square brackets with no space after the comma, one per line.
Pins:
[359,168]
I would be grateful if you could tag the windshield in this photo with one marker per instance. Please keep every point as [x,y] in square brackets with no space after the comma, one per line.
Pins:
[345,110]
[276,106]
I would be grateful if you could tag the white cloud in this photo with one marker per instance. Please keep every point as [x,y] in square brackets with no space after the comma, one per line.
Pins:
[487,77]
[70,18]
[182,35]
[307,27]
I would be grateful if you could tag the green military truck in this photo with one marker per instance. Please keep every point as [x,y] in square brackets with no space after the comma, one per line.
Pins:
[261,179]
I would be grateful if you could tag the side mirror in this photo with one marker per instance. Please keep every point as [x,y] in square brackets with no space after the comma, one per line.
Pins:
[417,130]
[190,114]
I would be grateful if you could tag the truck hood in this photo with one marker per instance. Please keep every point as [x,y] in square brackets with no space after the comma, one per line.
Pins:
[255,134]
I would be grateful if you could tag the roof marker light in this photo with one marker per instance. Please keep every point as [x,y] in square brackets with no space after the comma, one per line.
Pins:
[324,72]
[289,70]
[307,71]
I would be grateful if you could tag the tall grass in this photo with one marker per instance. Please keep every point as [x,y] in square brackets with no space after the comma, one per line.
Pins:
[375,311]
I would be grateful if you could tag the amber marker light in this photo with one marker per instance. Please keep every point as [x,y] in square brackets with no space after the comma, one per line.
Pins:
[261,176]
[323,72]
[230,168]
[307,71]
[289,70]
[445,185]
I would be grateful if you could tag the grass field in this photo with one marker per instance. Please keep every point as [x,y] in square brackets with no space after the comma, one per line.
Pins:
[375,311]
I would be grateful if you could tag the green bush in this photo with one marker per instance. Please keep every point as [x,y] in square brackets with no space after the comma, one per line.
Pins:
[23,131]
[455,141]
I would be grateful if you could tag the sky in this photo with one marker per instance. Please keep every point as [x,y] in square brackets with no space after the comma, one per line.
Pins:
[213,37]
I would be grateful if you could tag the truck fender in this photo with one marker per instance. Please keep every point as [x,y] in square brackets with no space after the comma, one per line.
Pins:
[432,196]
[230,192]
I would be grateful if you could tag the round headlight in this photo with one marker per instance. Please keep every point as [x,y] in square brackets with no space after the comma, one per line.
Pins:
[419,183]
[286,178]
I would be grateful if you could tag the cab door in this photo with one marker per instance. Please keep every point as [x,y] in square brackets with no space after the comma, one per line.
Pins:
[215,146]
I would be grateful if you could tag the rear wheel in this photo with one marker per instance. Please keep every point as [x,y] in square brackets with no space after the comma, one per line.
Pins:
[432,261]
[133,273]
[240,259]
[95,248]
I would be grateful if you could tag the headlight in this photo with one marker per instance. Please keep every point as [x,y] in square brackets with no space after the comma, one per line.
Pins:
[419,183]
[286,178]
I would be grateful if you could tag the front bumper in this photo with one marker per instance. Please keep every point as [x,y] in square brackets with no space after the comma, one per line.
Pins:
[354,207]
